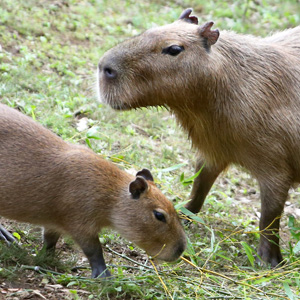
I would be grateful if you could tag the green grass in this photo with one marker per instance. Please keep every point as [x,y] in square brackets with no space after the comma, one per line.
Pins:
[48,56]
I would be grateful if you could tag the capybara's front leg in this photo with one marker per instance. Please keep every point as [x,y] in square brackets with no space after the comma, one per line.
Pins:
[92,249]
[6,236]
[202,185]
[272,205]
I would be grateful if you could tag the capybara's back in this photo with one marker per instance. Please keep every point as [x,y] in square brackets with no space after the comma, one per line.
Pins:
[29,156]
[237,96]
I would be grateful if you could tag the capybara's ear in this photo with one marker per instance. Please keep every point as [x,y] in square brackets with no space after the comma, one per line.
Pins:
[138,187]
[210,36]
[185,15]
[146,174]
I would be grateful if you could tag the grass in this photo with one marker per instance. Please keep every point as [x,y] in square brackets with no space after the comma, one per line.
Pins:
[48,56]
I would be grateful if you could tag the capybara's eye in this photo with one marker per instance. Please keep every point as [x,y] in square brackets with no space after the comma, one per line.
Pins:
[173,50]
[159,216]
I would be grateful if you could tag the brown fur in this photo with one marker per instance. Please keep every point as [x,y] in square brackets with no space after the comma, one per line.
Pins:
[237,96]
[69,189]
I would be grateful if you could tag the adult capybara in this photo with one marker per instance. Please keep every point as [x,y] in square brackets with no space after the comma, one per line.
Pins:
[237,96]
[67,188]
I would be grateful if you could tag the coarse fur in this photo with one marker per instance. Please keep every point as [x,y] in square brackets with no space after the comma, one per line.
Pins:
[237,96]
[68,189]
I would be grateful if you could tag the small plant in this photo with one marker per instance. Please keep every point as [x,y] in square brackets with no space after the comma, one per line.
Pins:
[294,228]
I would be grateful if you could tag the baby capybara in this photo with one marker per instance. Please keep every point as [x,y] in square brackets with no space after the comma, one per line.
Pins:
[67,188]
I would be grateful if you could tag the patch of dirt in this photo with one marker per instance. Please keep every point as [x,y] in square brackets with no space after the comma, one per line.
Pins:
[246,199]
[31,287]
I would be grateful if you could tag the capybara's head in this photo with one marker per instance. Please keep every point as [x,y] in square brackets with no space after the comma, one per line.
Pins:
[147,218]
[156,67]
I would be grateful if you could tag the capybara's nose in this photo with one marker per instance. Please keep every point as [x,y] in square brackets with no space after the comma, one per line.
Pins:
[180,249]
[108,71]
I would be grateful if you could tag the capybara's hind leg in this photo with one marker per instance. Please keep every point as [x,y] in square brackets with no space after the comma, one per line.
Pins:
[202,184]
[50,239]
[6,236]
[272,205]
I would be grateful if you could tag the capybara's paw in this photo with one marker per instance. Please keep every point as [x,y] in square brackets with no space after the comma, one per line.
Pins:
[6,236]
[270,254]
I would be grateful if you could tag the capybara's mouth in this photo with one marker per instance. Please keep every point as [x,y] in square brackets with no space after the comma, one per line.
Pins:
[162,256]
[123,106]
[160,260]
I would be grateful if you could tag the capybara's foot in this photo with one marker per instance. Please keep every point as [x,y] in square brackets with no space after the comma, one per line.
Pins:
[6,236]
[104,274]
[270,253]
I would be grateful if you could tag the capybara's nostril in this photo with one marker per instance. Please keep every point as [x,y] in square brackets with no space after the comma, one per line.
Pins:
[180,249]
[109,73]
